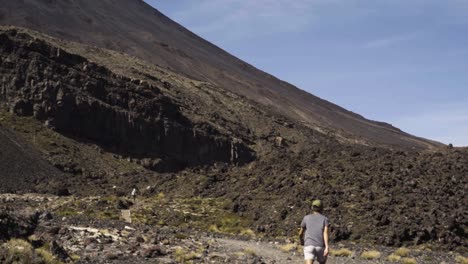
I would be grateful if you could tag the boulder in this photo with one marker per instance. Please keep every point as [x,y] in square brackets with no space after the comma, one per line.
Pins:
[17,224]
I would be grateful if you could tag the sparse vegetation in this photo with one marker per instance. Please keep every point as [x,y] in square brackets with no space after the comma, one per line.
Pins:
[393,258]
[204,213]
[428,259]
[288,247]
[300,249]
[402,252]
[247,232]
[371,254]
[184,255]
[249,251]
[47,256]
[180,236]
[214,229]
[66,211]
[342,252]
[461,260]
[75,257]
[18,251]
[408,261]
[100,208]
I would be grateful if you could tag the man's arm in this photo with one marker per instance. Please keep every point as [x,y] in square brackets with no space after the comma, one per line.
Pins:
[325,239]
[301,236]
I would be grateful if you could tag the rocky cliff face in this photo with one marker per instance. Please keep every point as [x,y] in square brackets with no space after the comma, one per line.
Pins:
[81,99]
[144,32]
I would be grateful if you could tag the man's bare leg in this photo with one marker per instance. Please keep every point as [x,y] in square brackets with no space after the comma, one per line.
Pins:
[309,261]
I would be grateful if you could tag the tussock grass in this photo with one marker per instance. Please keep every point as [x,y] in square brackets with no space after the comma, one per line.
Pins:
[371,254]
[402,252]
[300,249]
[47,256]
[288,247]
[209,214]
[214,229]
[75,257]
[249,251]
[18,244]
[18,251]
[161,197]
[408,261]
[342,252]
[181,236]
[183,255]
[393,258]
[89,208]
[461,260]
[247,232]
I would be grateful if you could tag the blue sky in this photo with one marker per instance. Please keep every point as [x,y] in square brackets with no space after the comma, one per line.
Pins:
[404,62]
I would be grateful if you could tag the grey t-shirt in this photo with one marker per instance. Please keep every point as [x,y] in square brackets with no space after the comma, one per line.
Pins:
[314,224]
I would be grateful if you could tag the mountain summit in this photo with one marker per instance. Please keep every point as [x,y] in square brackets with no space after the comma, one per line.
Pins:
[135,28]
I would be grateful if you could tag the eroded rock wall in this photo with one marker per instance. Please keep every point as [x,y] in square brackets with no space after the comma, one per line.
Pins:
[81,99]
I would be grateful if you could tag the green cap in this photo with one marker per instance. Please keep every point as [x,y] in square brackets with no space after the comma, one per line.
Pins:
[317,203]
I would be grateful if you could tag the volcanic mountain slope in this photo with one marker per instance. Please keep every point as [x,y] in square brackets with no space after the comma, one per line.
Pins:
[133,27]
[111,122]
[23,168]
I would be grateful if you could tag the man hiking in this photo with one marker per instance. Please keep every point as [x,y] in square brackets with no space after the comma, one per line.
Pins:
[314,235]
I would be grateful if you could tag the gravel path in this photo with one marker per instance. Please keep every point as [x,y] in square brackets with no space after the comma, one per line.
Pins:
[267,251]
[271,253]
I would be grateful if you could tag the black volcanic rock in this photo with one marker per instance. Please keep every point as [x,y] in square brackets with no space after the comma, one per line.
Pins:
[81,99]
[17,224]
[22,168]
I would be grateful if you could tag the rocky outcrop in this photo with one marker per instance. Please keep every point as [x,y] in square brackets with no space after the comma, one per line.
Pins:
[17,224]
[81,99]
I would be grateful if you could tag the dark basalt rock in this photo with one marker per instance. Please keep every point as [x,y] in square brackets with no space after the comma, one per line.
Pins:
[84,100]
[123,204]
[17,224]
[153,252]
[58,251]
[62,192]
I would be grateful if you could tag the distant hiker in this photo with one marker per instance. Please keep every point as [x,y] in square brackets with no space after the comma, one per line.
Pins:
[134,191]
[314,235]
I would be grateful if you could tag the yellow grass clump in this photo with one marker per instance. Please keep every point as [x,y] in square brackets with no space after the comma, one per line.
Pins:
[402,252]
[408,261]
[247,232]
[249,251]
[300,249]
[47,256]
[288,247]
[183,255]
[371,254]
[393,258]
[19,250]
[342,252]
[461,260]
